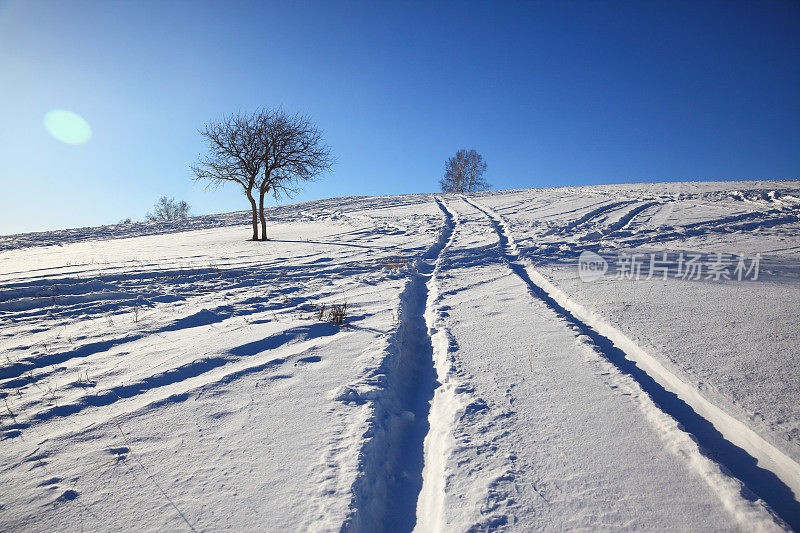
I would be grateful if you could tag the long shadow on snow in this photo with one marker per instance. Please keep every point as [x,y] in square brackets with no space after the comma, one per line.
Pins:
[70,297]
[203,317]
[351,245]
[193,369]
[18,368]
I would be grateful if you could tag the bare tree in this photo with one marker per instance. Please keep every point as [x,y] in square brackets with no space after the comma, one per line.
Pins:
[167,209]
[267,151]
[464,173]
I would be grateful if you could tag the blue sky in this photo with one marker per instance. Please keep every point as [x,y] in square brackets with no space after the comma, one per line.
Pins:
[551,93]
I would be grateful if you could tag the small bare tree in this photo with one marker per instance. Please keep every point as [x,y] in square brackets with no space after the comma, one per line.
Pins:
[268,151]
[167,209]
[464,173]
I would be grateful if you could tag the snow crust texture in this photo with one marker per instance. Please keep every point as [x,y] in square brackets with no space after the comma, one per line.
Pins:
[179,377]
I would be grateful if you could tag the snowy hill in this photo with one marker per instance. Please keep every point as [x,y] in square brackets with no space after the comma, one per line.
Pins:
[600,357]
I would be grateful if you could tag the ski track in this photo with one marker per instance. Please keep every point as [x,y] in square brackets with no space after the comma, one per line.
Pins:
[449,400]
[385,493]
[741,453]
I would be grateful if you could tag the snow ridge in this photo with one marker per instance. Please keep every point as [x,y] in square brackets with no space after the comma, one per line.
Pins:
[755,465]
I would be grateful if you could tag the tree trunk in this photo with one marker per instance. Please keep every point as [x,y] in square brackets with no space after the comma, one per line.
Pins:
[255,216]
[261,214]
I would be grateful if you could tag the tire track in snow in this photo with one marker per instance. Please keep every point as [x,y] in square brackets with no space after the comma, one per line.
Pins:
[594,213]
[741,453]
[660,217]
[620,224]
[741,222]
[626,218]
[385,493]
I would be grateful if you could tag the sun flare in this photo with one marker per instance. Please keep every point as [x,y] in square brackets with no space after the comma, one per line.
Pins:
[67,127]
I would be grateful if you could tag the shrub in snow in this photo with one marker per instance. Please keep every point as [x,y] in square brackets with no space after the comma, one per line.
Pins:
[336,314]
[168,209]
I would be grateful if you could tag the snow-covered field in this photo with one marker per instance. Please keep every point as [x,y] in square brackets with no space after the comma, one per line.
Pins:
[176,376]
